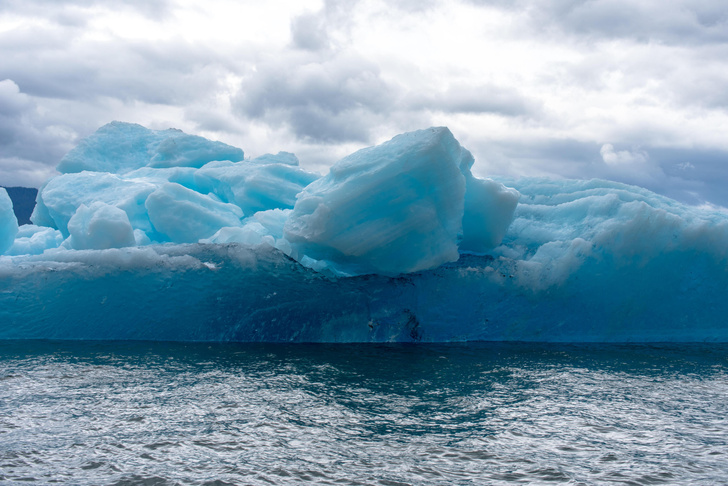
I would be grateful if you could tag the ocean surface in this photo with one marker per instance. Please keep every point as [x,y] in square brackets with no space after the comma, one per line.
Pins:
[140,413]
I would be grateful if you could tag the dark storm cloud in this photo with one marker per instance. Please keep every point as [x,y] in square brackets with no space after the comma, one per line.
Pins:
[336,100]
[571,158]
[209,120]
[22,127]
[535,157]
[677,22]
[50,64]
[27,139]
[694,175]
[487,98]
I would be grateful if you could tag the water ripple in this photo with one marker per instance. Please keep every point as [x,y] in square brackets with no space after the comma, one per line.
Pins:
[163,414]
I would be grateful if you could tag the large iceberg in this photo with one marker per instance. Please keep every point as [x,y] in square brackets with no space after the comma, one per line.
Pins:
[165,236]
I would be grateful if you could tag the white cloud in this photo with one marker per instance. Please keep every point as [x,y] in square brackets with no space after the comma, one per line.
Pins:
[530,87]
[621,157]
[336,100]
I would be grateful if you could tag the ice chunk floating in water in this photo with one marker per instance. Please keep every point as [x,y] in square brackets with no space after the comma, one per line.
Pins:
[166,236]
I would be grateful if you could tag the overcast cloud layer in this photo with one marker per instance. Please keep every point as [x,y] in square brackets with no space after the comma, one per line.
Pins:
[630,91]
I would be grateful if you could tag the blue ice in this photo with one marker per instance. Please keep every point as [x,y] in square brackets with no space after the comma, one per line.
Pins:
[167,236]
[8,222]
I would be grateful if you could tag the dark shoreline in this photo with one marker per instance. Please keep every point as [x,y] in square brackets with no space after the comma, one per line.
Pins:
[23,202]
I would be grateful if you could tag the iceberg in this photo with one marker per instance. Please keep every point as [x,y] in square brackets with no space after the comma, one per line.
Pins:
[8,221]
[165,204]
[183,215]
[61,196]
[120,147]
[266,182]
[99,227]
[397,208]
[144,238]
[34,240]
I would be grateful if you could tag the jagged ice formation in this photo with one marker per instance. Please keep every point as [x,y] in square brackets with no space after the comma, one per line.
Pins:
[167,236]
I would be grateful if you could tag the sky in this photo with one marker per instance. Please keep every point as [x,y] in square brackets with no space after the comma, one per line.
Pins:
[635,92]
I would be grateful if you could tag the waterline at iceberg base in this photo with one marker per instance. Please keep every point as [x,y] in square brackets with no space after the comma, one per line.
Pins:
[149,236]
[233,293]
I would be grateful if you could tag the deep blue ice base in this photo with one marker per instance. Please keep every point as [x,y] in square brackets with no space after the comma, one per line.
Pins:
[231,292]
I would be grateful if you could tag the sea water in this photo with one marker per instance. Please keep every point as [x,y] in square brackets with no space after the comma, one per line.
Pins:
[139,413]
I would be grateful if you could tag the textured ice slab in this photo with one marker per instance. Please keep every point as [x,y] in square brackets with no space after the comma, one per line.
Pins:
[183,215]
[34,240]
[8,221]
[563,229]
[488,212]
[177,204]
[267,182]
[120,147]
[397,208]
[61,196]
[99,227]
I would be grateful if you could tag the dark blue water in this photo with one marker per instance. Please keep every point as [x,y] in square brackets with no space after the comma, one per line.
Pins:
[111,413]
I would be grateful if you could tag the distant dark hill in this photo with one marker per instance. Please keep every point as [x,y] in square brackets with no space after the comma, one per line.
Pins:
[23,202]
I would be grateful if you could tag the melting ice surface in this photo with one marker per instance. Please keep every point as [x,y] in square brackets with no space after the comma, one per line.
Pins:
[162,235]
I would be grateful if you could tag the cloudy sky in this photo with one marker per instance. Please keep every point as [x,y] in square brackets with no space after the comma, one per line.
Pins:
[630,91]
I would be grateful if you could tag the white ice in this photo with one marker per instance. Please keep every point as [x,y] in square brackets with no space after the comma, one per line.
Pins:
[99,227]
